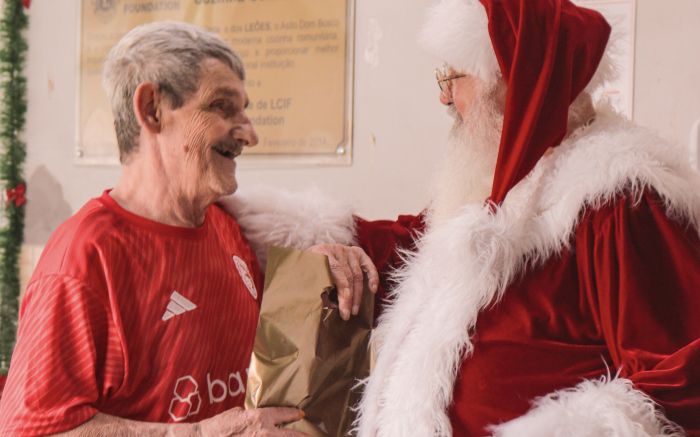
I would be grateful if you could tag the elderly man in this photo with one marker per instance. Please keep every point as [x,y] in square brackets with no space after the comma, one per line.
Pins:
[566,304]
[141,314]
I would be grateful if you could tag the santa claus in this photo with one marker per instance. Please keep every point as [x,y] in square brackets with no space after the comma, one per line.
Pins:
[565,304]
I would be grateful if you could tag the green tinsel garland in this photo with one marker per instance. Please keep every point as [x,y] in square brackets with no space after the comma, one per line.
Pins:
[13,86]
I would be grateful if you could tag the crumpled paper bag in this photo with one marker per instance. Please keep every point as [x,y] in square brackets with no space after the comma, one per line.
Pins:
[305,355]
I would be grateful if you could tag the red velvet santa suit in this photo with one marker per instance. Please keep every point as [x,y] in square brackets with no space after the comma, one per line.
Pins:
[591,266]
[514,318]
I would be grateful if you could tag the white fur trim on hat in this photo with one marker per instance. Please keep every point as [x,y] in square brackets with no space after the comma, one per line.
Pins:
[270,217]
[456,31]
[604,407]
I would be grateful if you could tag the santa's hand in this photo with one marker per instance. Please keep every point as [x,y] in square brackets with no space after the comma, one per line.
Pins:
[348,266]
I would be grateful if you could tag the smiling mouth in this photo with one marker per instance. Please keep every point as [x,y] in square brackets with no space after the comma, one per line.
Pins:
[227,152]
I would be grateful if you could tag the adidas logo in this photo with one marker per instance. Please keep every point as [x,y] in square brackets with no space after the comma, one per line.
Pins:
[178,304]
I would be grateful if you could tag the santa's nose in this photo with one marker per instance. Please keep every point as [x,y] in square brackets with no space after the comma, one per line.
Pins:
[445,99]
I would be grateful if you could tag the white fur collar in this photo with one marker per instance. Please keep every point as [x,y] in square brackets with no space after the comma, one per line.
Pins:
[466,263]
[271,217]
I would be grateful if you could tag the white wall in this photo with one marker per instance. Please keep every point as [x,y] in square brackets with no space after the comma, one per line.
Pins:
[399,127]
[667,66]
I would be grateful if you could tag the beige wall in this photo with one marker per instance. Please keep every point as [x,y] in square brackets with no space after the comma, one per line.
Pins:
[399,126]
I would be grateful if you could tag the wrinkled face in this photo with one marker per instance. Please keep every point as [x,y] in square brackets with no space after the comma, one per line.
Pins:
[201,139]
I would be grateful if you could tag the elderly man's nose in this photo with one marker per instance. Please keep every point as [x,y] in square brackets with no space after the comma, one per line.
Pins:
[246,135]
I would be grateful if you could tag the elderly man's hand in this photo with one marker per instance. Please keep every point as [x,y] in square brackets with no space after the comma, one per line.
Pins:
[248,423]
[348,266]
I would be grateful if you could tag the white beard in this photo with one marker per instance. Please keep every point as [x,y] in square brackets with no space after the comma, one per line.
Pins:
[465,174]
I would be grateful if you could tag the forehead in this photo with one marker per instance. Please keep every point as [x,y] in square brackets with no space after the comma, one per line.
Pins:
[218,78]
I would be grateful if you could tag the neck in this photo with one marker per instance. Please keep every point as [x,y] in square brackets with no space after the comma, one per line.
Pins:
[146,190]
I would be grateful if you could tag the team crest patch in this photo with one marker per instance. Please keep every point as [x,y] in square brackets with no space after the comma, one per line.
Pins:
[245,275]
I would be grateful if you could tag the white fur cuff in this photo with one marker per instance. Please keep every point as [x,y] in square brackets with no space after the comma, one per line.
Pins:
[270,217]
[595,408]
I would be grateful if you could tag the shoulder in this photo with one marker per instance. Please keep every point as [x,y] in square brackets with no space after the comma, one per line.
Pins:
[642,220]
[48,291]
[227,229]
[225,225]
[614,156]
[75,245]
[615,166]
[272,217]
[297,219]
[611,170]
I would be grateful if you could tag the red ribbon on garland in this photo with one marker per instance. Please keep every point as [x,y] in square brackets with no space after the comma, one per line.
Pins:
[16,195]
[26,3]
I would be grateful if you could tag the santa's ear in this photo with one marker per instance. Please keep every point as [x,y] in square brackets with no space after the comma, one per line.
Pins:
[147,106]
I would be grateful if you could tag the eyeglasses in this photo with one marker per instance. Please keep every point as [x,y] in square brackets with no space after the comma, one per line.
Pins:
[444,76]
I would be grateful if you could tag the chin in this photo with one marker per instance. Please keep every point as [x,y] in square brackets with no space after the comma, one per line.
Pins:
[223,186]
[229,187]
[465,174]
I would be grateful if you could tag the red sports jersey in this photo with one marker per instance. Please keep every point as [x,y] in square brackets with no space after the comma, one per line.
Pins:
[135,319]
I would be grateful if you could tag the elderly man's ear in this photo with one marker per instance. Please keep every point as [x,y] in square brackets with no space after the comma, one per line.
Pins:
[147,106]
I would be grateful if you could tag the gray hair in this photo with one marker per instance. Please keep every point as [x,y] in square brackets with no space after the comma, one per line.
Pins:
[167,53]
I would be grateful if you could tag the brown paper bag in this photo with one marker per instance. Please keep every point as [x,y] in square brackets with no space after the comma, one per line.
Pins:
[305,355]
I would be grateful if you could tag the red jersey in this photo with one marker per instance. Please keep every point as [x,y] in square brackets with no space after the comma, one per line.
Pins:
[133,318]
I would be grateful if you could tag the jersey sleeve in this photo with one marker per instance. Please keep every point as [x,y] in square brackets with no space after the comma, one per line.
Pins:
[641,272]
[67,359]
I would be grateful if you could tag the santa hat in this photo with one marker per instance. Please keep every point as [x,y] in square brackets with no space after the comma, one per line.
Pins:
[546,51]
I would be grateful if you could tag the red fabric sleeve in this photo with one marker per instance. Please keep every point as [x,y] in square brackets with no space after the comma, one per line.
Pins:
[382,240]
[641,272]
[68,357]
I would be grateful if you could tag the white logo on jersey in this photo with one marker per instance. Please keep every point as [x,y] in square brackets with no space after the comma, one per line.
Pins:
[187,401]
[178,304]
[245,275]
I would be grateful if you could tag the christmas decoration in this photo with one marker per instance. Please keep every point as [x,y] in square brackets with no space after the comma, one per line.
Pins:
[16,195]
[13,107]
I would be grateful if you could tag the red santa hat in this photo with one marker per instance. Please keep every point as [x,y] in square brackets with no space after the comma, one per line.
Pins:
[546,51]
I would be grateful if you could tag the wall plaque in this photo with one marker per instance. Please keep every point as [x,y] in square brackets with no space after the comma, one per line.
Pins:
[299,63]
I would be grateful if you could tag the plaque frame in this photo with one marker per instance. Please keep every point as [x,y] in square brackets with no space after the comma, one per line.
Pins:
[343,153]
